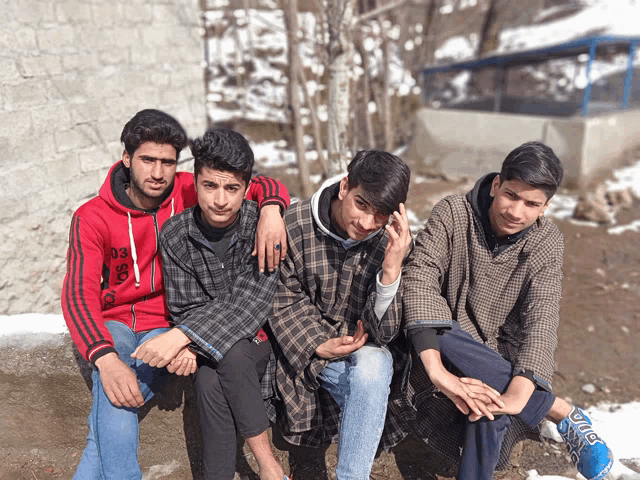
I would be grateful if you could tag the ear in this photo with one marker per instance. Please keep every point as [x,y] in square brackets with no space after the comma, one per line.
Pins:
[344,188]
[495,184]
[126,159]
[544,208]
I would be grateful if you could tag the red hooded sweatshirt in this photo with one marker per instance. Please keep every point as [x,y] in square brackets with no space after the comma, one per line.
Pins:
[113,262]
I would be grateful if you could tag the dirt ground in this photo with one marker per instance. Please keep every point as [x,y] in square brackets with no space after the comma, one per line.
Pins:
[45,401]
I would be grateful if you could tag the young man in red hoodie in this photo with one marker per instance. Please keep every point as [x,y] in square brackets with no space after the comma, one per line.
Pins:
[113,297]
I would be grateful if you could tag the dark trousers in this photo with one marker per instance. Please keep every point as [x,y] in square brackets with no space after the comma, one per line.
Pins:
[483,438]
[229,400]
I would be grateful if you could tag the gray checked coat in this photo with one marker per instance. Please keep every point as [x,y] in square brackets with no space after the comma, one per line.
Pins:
[216,302]
[325,287]
[510,302]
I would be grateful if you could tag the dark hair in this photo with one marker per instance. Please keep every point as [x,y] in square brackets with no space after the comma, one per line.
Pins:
[225,150]
[534,164]
[384,179]
[153,126]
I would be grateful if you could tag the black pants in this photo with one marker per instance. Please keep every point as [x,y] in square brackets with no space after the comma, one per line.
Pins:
[229,400]
[483,439]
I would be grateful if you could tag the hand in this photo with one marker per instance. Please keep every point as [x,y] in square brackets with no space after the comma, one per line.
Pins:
[468,397]
[513,400]
[271,238]
[399,241]
[341,346]
[184,363]
[119,381]
[161,349]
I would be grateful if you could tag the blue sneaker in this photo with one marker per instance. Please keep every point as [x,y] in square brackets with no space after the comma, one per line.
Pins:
[587,450]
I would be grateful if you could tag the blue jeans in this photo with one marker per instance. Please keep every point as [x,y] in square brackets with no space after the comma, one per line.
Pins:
[112,443]
[483,438]
[360,386]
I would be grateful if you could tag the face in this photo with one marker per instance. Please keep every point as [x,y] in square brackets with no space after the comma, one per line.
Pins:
[355,215]
[220,196]
[152,168]
[515,206]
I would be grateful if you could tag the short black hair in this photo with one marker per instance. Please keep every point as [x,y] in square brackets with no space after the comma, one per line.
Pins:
[384,179]
[225,150]
[153,126]
[535,164]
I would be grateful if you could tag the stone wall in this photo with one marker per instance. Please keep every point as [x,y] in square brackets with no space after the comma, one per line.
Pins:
[71,74]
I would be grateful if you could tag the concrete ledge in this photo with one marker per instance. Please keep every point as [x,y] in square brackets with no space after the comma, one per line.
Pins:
[466,143]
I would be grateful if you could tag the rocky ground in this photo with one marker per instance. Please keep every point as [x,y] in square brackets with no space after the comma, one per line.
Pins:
[45,399]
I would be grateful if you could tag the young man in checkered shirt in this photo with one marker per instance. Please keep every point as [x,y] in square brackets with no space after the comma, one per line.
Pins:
[337,307]
[219,300]
[481,299]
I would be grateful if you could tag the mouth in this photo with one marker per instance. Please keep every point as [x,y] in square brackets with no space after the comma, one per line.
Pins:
[156,185]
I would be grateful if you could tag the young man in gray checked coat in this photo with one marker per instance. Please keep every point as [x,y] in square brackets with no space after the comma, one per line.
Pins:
[481,299]
[337,307]
[219,300]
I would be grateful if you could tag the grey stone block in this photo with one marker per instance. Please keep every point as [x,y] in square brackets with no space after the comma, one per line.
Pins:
[74,13]
[50,118]
[59,39]
[94,159]
[8,69]
[62,168]
[40,66]
[15,123]
[78,137]
[80,61]
[33,12]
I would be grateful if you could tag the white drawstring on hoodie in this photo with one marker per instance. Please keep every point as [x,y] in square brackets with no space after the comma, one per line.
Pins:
[132,244]
[134,254]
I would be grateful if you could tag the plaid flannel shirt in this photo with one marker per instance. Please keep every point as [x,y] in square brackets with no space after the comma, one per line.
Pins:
[324,290]
[216,303]
[510,303]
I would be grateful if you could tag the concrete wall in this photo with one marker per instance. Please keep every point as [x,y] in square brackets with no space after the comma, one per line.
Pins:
[71,74]
[464,143]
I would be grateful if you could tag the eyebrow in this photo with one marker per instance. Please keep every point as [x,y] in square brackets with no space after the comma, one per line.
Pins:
[149,157]
[534,202]
[362,199]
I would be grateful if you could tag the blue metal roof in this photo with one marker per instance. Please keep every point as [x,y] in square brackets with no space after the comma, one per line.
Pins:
[561,50]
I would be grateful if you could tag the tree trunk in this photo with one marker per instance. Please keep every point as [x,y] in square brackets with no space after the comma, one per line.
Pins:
[339,16]
[291,22]
[315,124]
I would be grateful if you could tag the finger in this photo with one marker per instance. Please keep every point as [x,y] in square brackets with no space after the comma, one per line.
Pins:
[171,368]
[135,352]
[461,405]
[136,394]
[271,252]
[283,246]
[194,366]
[481,409]
[114,397]
[393,234]
[403,213]
[261,248]
[182,367]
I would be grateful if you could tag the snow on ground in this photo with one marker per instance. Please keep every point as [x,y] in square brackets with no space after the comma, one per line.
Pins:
[562,205]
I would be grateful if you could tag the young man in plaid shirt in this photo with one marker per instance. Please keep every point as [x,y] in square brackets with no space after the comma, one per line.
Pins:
[219,300]
[337,308]
[481,300]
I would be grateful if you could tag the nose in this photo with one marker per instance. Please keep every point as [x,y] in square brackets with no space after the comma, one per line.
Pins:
[515,211]
[156,171]
[368,221]
[219,198]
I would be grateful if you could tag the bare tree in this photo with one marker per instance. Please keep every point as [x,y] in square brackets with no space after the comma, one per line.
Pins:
[339,17]
[291,22]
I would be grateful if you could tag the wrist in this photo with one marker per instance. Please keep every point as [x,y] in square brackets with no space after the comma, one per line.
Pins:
[105,360]
[389,275]
[180,337]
